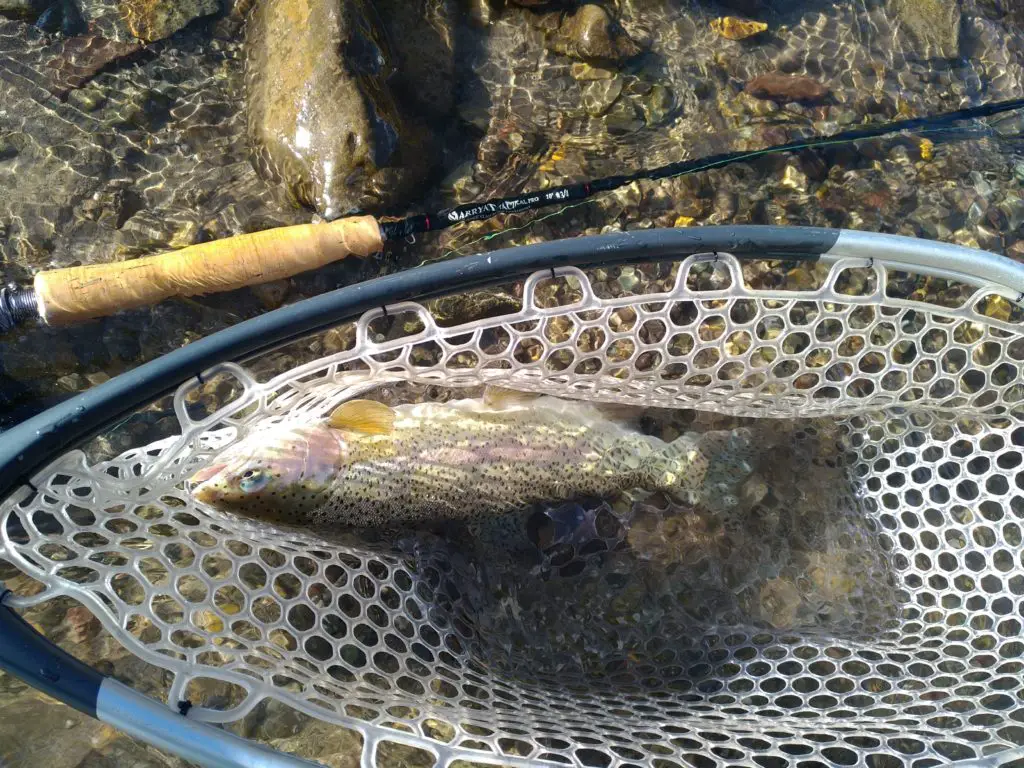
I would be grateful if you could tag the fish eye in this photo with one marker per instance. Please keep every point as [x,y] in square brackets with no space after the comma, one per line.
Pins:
[253,480]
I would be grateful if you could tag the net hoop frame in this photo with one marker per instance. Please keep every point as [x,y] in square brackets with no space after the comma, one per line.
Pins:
[36,442]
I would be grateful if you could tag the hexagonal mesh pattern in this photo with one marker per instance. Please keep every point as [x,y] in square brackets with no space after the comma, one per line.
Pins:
[897,392]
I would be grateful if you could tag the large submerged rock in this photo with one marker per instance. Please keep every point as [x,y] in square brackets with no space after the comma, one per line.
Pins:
[145,20]
[322,118]
[933,24]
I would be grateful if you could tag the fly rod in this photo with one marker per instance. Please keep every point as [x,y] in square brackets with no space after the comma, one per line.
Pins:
[75,294]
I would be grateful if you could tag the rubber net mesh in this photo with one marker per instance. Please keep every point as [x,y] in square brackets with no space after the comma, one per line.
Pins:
[867,610]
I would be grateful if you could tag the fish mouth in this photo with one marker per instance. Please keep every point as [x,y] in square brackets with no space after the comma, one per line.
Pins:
[205,494]
[207,473]
[203,486]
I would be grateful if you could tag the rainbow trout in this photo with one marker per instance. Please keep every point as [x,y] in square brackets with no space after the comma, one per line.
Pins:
[370,465]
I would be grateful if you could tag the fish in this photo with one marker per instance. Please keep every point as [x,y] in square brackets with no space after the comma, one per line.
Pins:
[370,465]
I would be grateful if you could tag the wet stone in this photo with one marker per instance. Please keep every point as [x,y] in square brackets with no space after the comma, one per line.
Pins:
[783,88]
[733,28]
[934,25]
[81,624]
[591,34]
[280,721]
[146,20]
[599,95]
[324,117]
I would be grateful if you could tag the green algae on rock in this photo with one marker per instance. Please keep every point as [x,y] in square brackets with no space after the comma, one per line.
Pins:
[321,115]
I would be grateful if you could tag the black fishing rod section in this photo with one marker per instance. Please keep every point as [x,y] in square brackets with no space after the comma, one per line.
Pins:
[571,193]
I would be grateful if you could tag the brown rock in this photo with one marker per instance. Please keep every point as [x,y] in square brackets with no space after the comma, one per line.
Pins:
[146,20]
[81,58]
[933,24]
[322,116]
[81,624]
[592,35]
[271,295]
[733,28]
[156,19]
[1016,251]
[779,87]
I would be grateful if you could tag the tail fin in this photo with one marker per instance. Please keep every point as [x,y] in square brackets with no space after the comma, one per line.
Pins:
[705,469]
[731,460]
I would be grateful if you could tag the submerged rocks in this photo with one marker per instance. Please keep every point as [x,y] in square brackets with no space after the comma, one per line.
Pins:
[933,24]
[321,115]
[423,66]
[592,35]
[151,20]
[22,9]
[83,57]
[780,87]
[145,20]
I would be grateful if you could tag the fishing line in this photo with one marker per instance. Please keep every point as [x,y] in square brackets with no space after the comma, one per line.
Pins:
[966,133]
[569,194]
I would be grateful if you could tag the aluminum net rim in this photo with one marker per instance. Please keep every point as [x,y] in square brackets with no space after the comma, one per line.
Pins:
[365,347]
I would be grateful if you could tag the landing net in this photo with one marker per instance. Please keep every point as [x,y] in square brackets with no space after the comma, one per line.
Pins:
[897,642]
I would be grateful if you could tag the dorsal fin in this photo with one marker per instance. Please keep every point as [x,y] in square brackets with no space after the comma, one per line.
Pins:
[367,416]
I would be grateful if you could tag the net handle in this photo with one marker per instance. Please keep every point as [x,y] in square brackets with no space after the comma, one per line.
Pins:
[29,656]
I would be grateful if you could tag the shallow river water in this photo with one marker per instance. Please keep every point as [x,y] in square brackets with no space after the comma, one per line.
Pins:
[123,132]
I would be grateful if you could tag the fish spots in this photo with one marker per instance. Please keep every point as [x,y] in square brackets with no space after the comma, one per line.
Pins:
[462,461]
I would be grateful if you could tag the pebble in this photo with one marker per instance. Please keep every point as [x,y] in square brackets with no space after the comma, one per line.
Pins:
[725,206]
[87,100]
[795,179]
[987,238]
[981,184]
[272,295]
[622,119]
[933,24]
[966,238]
[1013,208]
[977,211]
[280,721]
[97,377]
[733,28]
[580,70]
[657,105]
[81,624]
[1016,251]
[72,382]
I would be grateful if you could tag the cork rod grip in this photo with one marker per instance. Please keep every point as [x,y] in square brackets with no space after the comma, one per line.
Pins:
[78,293]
